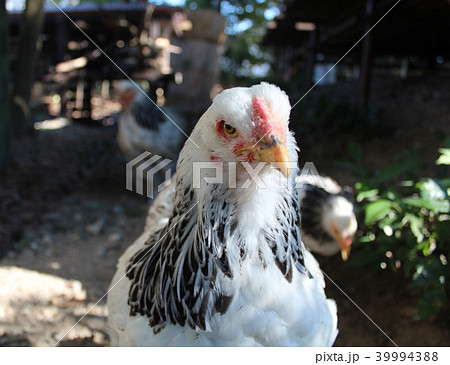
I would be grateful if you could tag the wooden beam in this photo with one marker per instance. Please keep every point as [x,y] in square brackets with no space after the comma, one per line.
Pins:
[71,65]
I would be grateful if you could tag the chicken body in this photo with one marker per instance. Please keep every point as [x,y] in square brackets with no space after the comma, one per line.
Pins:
[221,265]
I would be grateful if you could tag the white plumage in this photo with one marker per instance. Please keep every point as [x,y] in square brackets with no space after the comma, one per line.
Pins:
[219,265]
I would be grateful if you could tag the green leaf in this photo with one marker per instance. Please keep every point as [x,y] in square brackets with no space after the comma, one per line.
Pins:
[432,189]
[377,210]
[444,158]
[365,239]
[428,246]
[366,195]
[393,195]
[441,206]
[416,225]
[389,221]
[406,183]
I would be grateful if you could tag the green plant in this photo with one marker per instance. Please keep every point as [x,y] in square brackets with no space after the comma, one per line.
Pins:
[407,227]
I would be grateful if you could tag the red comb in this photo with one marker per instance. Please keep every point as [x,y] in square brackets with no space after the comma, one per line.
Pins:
[264,119]
[261,110]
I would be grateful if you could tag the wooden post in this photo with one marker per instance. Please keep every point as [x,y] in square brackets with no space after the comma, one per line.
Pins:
[79,95]
[5,139]
[61,47]
[31,26]
[366,62]
[311,58]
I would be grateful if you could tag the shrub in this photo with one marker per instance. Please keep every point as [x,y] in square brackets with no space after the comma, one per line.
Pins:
[407,227]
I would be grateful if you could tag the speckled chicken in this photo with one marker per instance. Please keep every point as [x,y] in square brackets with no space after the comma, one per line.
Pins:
[224,265]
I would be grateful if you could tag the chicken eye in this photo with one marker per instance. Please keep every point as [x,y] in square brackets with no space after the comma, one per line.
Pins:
[229,130]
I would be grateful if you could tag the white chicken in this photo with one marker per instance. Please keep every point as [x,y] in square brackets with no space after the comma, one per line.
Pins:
[222,263]
[143,127]
[328,221]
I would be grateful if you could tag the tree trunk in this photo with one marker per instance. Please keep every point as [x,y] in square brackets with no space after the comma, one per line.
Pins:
[4,87]
[31,27]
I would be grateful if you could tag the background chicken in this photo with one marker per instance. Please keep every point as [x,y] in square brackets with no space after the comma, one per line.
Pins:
[145,127]
[328,221]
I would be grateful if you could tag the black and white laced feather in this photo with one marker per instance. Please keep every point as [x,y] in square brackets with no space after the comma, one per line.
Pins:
[219,266]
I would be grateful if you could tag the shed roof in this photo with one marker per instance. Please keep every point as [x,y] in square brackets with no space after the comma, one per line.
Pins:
[413,27]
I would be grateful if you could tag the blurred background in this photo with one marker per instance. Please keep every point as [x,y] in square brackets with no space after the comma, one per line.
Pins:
[370,85]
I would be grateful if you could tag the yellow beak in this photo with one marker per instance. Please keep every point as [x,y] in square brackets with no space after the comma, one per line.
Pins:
[273,151]
[345,244]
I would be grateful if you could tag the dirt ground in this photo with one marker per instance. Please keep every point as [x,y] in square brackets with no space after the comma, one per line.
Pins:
[79,222]
[66,217]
